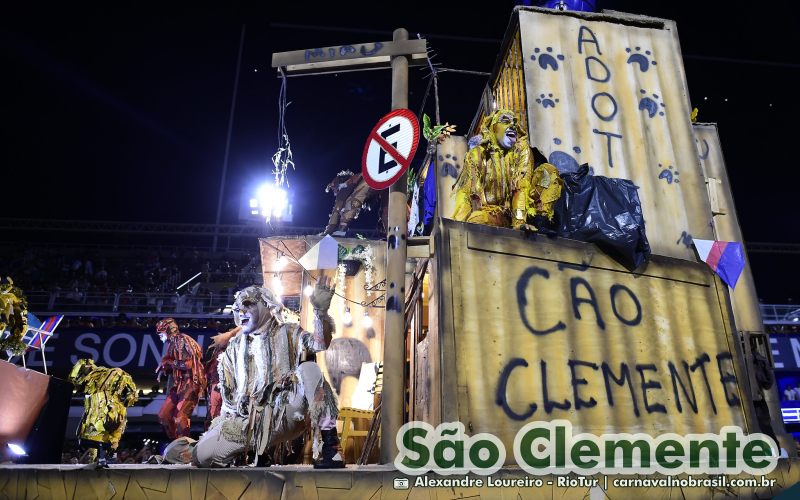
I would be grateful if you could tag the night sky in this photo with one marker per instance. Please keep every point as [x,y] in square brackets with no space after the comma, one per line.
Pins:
[122,114]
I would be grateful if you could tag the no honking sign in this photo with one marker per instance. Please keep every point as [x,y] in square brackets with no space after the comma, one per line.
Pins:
[390,148]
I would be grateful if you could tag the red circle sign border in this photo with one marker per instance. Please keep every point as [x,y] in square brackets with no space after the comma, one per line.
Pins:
[405,113]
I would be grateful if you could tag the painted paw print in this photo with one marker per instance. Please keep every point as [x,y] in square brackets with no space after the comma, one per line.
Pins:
[669,174]
[643,60]
[450,166]
[651,104]
[562,160]
[548,58]
[546,101]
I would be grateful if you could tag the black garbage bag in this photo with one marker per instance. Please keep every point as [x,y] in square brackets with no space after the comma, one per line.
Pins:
[606,212]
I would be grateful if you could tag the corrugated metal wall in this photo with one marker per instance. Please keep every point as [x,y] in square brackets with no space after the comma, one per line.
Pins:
[508,88]
[450,155]
[611,91]
[744,298]
[551,323]
[726,224]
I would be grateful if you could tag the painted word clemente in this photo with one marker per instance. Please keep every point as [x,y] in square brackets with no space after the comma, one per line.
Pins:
[682,376]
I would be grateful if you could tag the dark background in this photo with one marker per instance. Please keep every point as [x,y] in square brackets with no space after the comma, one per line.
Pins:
[121,114]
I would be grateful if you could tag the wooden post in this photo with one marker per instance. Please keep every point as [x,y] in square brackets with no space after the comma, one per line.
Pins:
[399,54]
[394,325]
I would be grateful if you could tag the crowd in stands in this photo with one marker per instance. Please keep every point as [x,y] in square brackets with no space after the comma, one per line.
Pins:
[143,323]
[782,329]
[78,271]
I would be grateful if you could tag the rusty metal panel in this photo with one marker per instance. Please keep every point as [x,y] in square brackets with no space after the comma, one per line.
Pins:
[726,226]
[508,87]
[351,345]
[610,90]
[552,323]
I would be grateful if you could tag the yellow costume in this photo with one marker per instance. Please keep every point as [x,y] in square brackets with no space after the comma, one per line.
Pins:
[543,190]
[496,173]
[109,391]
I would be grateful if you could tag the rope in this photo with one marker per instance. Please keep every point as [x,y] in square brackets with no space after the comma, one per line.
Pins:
[282,159]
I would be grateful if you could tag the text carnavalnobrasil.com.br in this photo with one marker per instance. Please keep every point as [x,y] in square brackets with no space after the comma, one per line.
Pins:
[505,481]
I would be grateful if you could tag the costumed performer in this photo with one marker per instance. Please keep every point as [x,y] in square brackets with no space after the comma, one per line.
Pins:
[492,187]
[352,193]
[186,378]
[268,394]
[109,392]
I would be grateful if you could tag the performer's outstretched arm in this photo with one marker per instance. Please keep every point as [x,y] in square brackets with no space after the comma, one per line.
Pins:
[320,338]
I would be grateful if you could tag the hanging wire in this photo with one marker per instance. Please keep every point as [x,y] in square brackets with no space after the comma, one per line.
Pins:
[434,79]
[282,159]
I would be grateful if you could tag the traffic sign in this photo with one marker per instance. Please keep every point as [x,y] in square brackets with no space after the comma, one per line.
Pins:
[390,148]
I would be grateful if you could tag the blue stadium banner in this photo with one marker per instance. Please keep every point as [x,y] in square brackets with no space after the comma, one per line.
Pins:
[137,351]
[785,351]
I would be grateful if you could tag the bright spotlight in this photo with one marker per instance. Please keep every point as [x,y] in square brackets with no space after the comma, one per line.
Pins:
[308,290]
[277,285]
[269,202]
[281,262]
[347,318]
[17,449]
[273,200]
[366,321]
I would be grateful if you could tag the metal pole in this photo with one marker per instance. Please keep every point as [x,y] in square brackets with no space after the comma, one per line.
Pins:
[394,335]
[228,140]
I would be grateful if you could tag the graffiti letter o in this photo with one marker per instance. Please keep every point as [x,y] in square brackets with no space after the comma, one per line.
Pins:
[630,322]
[607,117]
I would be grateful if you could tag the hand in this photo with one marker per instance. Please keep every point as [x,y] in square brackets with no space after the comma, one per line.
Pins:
[221,340]
[323,294]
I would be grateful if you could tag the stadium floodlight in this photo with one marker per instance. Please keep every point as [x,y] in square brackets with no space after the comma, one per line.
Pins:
[17,449]
[266,202]
[273,201]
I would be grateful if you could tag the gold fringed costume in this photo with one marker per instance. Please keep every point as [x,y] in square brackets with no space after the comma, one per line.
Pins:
[109,392]
[543,191]
[491,187]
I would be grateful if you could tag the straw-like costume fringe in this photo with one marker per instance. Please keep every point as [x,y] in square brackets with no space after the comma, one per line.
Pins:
[110,391]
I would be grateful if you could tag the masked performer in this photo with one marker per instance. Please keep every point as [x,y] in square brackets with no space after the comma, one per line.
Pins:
[268,394]
[109,391]
[352,193]
[492,187]
[183,363]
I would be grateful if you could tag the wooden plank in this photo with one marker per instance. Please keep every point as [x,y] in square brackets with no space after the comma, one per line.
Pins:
[339,56]
[447,309]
